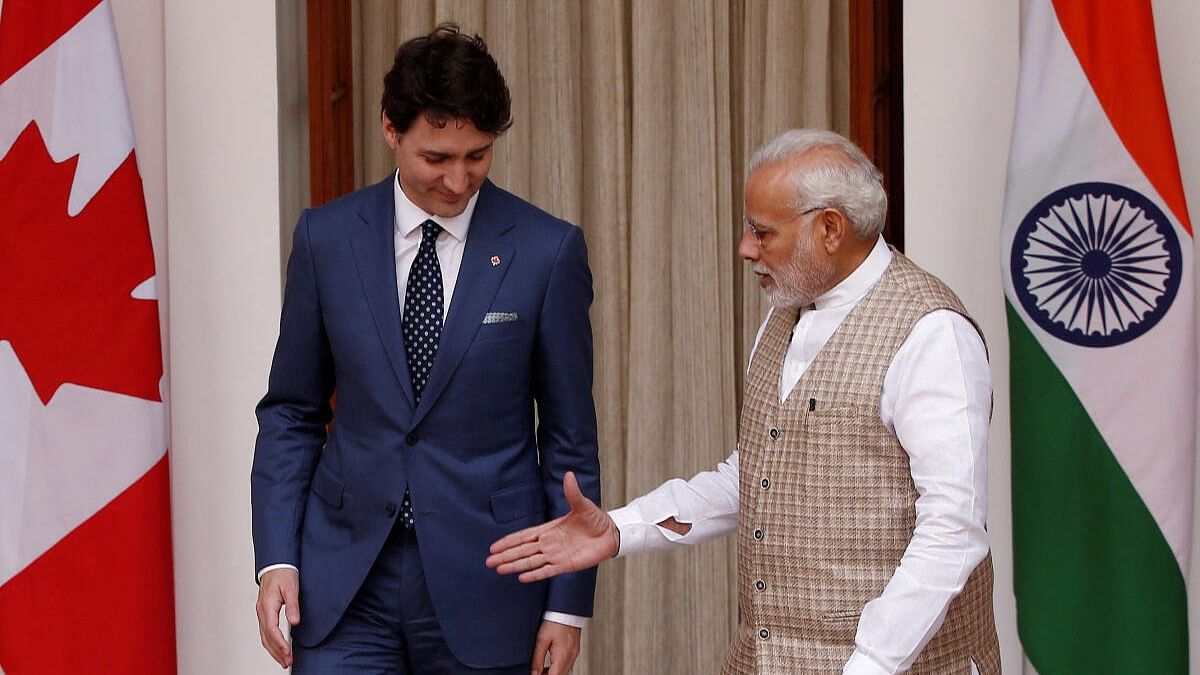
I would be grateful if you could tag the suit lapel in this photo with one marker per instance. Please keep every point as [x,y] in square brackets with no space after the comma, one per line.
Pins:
[485,261]
[374,253]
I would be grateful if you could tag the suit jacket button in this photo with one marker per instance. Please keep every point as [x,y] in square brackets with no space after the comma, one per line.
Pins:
[764,633]
[412,438]
[390,509]
[760,585]
[758,534]
[765,483]
[774,433]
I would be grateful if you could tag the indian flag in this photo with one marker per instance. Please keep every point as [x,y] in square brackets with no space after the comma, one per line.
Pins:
[1097,256]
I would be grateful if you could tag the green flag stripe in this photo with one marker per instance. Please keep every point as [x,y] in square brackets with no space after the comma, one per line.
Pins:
[1098,588]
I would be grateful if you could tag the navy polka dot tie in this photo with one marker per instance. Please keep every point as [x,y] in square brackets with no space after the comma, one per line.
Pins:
[423,307]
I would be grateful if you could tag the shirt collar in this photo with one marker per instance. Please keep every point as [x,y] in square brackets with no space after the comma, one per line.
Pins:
[409,216]
[856,285]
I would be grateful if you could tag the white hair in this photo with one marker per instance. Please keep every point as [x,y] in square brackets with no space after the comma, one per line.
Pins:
[853,186]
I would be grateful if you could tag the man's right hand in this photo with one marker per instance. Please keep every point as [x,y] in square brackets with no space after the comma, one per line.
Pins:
[579,540]
[278,588]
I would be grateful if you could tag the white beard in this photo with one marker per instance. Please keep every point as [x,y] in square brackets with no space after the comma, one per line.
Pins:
[801,279]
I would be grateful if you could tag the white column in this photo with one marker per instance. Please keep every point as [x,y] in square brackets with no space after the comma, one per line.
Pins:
[223,257]
[960,77]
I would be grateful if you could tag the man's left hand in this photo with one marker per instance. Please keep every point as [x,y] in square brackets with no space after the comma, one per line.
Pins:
[558,644]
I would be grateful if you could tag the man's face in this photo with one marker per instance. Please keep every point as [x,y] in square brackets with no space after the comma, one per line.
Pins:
[440,169]
[784,246]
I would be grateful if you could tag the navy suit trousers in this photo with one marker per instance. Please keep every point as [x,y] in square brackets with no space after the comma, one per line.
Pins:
[390,627]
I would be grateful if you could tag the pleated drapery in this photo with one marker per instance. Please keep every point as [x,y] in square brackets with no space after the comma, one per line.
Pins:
[634,119]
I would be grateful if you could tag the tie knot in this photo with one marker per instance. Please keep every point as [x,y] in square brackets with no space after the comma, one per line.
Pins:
[430,230]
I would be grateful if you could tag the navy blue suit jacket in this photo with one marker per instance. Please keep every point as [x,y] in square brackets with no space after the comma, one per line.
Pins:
[477,463]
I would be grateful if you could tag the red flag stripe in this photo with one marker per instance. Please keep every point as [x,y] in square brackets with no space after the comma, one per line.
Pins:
[102,599]
[28,27]
[1115,44]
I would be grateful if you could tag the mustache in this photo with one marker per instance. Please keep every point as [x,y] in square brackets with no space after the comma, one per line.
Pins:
[761,269]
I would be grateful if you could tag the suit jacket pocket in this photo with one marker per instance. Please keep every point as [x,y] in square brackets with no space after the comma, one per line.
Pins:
[516,502]
[490,332]
[327,486]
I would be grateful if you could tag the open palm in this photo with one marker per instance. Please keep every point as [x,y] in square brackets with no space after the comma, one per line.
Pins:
[579,540]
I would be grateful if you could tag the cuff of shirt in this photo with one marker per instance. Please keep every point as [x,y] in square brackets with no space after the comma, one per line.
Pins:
[566,619]
[861,664]
[268,568]
[638,535]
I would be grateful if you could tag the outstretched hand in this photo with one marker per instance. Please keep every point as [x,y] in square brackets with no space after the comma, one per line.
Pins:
[579,540]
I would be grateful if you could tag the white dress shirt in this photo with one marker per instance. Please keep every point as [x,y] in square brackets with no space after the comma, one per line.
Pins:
[936,399]
[450,245]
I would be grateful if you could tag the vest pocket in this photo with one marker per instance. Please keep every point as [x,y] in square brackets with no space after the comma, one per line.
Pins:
[842,617]
[836,414]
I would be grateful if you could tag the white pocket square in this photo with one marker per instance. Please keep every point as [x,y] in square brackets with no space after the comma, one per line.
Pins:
[499,317]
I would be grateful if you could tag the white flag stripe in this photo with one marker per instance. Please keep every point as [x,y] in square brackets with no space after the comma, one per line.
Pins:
[79,115]
[1147,433]
[66,460]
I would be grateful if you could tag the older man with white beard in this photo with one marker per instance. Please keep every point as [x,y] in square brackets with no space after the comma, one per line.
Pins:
[858,487]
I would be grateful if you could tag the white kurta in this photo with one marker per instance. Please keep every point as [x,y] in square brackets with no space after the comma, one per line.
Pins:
[936,399]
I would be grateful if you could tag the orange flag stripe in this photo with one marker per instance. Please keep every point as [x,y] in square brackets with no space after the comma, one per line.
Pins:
[1115,44]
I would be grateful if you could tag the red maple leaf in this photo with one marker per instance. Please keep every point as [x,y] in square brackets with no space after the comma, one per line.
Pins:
[65,281]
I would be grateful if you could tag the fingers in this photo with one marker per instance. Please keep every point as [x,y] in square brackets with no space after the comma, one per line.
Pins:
[534,567]
[526,564]
[291,603]
[534,559]
[267,608]
[529,560]
[541,650]
[504,559]
[560,664]
[279,589]
[539,574]
[529,534]
[563,646]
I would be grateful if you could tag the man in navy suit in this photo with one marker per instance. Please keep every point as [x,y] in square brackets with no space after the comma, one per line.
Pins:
[443,311]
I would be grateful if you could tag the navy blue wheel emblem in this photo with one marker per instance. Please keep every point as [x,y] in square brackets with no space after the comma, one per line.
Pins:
[1096,264]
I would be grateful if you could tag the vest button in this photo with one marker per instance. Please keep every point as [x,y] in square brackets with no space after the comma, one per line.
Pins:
[390,509]
[758,534]
[412,438]
[760,585]
[774,433]
[764,633]
[765,483]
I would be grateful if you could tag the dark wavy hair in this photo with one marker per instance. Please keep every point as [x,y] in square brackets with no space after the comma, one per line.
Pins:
[447,75]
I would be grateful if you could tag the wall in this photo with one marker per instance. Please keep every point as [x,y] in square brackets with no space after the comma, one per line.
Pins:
[203,87]
[223,210]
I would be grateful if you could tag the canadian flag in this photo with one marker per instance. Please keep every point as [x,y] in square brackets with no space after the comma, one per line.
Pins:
[85,531]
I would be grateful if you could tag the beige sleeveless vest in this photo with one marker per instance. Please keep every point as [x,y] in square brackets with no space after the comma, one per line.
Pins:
[827,499]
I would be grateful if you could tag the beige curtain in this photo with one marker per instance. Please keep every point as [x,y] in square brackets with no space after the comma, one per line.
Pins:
[634,119]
